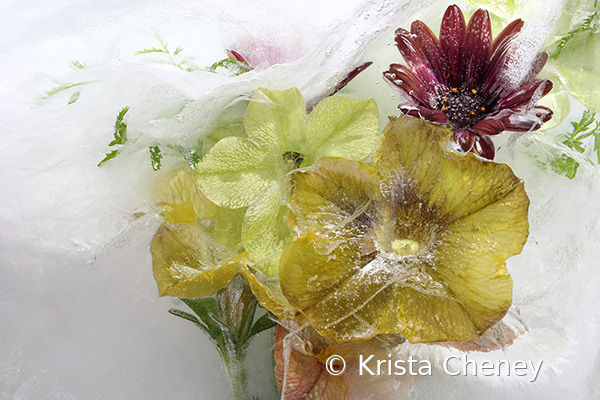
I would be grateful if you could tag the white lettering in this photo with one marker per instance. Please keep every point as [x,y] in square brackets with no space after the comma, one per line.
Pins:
[466,362]
[522,365]
[411,361]
[379,362]
[487,364]
[427,367]
[363,364]
[535,371]
[500,362]
[401,368]
[445,365]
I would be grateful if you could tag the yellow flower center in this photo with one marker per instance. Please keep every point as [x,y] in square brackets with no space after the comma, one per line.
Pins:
[405,247]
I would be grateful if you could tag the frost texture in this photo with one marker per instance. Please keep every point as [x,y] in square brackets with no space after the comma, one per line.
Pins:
[69,329]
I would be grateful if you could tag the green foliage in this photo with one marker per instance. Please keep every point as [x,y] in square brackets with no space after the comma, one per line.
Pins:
[61,88]
[228,320]
[576,141]
[77,65]
[120,135]
[185,64]
[74,97]
[587,25]
[231,65]
[155,157]
[162,49]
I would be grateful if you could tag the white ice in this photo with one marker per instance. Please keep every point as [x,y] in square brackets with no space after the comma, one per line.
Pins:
[80,316]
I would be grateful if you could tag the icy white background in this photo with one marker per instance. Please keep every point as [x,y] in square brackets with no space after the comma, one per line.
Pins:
[80,316]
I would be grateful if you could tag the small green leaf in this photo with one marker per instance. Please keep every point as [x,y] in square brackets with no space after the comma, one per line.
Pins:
[74,97]
[76,65]
[265,322]
[586,25]
[191,318]
[151,50]
[155,157]
[178,50]
[206,309]
[60,88]
[120,128]
[109,156]
[231,65]
[564,164]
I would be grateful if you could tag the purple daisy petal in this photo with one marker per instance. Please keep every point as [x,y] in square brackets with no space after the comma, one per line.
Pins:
[431,48]
[411,51]
[536,66]
[489,127]
[408,82]
[477,48]
[522,96]
[464,139]
[507,34]
[530,121]
[461,79]
[484,147]
[425,113]
[452,34]
[416,58]
[501,47]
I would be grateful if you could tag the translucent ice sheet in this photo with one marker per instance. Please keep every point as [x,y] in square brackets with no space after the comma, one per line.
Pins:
[80,316]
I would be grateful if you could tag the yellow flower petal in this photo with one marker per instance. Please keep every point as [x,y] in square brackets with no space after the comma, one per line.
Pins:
[418,248]
[453,185]
[268,292]
[181,199]
[187,262]
[333,196]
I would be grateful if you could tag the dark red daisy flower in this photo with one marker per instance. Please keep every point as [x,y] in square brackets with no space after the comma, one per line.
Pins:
[461,79]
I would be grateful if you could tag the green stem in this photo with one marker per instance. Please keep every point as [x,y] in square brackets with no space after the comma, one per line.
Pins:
[234,363]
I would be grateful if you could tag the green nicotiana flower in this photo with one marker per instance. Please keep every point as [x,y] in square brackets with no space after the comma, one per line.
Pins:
[415,246]
[254,172]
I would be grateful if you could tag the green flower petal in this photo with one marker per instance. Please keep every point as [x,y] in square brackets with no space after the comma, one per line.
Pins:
[187,262]
[228,229]
[275,117]
[579,65]
[265,229]
[341,127]
[235,172]
[558,101]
